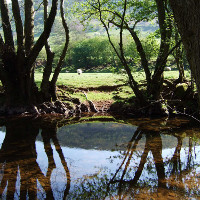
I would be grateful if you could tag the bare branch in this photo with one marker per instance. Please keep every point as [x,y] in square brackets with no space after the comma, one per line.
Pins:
[8,36]
[18,25]
[39,6]
[60,62]
[29,25]
[44,36]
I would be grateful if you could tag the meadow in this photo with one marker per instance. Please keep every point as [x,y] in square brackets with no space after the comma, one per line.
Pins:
[101,86]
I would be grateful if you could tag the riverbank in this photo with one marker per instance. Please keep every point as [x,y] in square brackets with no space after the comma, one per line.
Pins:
[110,93]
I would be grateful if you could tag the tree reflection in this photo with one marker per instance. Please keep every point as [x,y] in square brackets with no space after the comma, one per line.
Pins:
[18,161]
[165,180]
[141,168]
[144,169]
[153,144]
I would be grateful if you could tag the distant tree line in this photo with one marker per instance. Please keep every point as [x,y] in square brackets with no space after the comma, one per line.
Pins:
[96,54]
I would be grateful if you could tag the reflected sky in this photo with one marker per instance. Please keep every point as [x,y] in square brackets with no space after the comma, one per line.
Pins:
[70,163]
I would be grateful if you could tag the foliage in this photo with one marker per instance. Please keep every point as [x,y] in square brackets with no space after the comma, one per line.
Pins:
[87,44]
[91,53]
[95,54]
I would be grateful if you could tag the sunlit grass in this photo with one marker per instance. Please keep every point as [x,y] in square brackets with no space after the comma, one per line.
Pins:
[90,79]
[94,80]
[86,79]
[175,74]
[100,79]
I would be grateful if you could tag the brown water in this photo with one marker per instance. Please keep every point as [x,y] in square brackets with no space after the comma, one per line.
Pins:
[101,160]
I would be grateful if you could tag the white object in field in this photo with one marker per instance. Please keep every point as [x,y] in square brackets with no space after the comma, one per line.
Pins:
[168,69]
[79,71]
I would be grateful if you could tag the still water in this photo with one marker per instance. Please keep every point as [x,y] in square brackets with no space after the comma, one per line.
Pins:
[100,160]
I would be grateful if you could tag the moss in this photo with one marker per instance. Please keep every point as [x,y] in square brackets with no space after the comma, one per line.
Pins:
[181,89]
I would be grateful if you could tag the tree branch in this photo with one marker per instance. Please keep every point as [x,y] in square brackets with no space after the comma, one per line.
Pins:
[29,26]
[50,56]
[63,54]
[18,25]
[8,36]
[44,36]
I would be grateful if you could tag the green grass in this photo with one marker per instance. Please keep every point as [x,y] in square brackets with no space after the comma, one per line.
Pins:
[175,74]
[88,80]
[94,96]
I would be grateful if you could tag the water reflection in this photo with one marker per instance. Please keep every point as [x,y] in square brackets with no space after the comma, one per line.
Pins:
[98,161]
[21,176]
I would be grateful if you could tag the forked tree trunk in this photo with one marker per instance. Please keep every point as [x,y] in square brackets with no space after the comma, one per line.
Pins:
[63,54]
[17,66]
[187,17]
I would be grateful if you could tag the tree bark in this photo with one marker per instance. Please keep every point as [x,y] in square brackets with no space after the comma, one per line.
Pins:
[44,36]
[17,68]
[45,85]
[187,17]
[18,25]
[29,25]
[165,31]
[8,36]
[63,54]
[143,57]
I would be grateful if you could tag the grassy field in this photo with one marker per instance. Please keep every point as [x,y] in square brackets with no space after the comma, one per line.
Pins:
[95,80]
[86,79]
[89,80]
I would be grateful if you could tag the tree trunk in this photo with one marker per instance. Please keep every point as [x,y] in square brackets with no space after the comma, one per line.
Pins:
[45,85]
[8,36]
[29,26]
[165,31]
[142,54]
[187,17]
[63,54]
[17,67]
[20,89]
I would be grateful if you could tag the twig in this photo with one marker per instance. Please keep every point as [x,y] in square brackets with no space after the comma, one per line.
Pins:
[185,114]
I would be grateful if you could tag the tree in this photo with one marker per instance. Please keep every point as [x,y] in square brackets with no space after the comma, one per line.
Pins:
[23,159]
[17,60]
[125,15]
[178,55]
[187,17]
